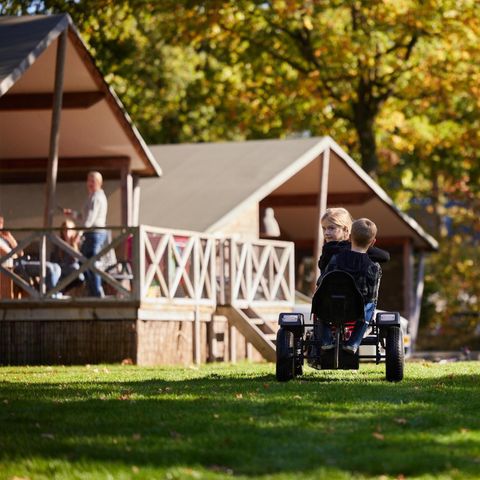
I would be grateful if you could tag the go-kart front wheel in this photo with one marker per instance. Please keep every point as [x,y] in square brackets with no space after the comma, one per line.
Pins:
[285,367]
[394,354]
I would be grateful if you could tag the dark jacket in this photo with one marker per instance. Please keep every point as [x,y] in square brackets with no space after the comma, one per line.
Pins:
[365,272]
[331,248]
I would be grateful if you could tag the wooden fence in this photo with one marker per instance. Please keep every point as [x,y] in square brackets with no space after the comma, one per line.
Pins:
[156,265]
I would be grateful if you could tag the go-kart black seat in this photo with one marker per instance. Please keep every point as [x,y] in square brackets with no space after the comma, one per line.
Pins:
[337,300]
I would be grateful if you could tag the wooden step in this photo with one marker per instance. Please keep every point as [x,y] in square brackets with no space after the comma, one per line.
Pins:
[252,333]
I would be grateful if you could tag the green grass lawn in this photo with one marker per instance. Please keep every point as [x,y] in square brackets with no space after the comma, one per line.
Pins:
[222,421]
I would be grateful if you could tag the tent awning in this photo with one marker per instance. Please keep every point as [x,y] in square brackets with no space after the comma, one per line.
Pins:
[95,131]
[212,184]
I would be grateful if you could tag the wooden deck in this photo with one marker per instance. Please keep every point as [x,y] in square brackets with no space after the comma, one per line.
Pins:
[172,309]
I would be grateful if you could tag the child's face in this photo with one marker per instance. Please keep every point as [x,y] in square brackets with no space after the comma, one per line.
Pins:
[333,232]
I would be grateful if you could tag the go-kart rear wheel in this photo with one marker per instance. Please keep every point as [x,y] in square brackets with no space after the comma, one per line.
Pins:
[394,355]
[285,367]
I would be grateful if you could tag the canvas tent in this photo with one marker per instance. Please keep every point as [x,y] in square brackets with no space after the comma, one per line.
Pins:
[225,187]
[57,110]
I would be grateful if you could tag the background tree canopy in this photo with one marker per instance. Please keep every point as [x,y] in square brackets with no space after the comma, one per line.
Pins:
[397,82]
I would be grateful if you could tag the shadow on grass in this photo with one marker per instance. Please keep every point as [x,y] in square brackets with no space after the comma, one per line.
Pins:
[252,425]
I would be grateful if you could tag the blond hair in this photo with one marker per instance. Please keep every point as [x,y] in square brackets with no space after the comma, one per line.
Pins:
[338,216]
[97,176]
[364,232]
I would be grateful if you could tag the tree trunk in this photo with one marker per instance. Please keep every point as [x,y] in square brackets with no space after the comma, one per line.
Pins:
[364,121]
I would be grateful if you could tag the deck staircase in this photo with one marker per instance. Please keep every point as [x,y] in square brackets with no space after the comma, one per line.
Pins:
[254,328]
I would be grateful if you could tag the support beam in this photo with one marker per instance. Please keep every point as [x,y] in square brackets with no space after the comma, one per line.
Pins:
[322,203]
[311,199]
[28,170]
[39,163]
[382,242]
[55,132]
[135,200]
[45,101]
[414,320]
[126,188]
[407,278]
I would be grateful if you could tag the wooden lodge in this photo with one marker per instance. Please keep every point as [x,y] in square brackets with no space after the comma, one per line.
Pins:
[190,273]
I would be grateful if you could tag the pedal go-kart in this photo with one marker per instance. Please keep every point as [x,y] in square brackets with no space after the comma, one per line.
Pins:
[337,304]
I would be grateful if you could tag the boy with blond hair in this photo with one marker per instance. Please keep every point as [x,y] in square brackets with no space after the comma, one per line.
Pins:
[366,274]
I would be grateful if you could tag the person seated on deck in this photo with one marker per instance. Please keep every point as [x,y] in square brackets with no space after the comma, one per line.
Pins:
[68,262]
[366,274]
[337,225]
[25,267]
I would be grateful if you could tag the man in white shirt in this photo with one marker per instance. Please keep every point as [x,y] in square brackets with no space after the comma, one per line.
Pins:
[94,214]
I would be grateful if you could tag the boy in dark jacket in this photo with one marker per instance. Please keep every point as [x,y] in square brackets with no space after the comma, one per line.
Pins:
[366,274]
[336,226]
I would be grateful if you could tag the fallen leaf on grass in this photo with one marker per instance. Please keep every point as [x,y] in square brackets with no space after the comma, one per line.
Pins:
[238,395]
[125,395]
[50,436]
[127,361]
[378,435]
[400,421]
[221,469]
[464,430]
[137,436]
[135,469]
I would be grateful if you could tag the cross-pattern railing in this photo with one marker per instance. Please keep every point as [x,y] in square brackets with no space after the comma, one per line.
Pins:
[261,272]
[178,267]
[29,272]
[157,265]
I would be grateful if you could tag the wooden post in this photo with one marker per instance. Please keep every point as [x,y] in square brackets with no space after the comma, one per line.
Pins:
[232,340]
[322,204]
[43,264]
[407,278]
[52,168]
[221,258]
[248,350]
[126,189]
[291,274]
[414,320]
[232,254]
[135,218]
[138,261]
[196,336]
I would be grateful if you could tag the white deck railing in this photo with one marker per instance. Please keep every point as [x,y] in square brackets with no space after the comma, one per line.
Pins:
[261,272]
[163,266]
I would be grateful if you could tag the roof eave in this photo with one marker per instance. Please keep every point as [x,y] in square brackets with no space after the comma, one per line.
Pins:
[64,21]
